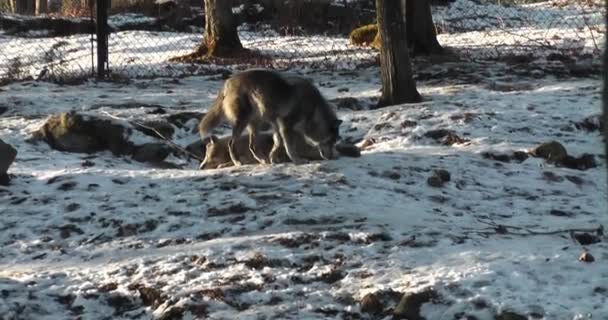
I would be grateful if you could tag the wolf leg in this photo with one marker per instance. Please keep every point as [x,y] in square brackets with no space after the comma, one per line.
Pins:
[276,147]
[288,136]
[237,130]
[252,141]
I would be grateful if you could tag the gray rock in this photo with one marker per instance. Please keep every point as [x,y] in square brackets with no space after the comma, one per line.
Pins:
[553,151]
[409,306]
[371,304]
[151,152]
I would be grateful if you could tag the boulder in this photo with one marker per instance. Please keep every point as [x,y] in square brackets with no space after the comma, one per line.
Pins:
[553,151]
[410,304]
[7,157]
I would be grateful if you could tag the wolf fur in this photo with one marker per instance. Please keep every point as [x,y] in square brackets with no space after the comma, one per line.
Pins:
[291,105]
[217,154]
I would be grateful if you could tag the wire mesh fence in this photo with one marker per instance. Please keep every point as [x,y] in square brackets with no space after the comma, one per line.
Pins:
[54,39]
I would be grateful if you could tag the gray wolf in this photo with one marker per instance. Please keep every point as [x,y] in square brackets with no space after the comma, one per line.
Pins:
[217,154]
[291,105]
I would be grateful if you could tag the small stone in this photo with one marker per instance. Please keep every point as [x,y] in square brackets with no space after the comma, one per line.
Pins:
[371,304]
[509,315]
[409,306]
[434,181]
[444,175]
[552,151]
[520,156]
[393,175]
[151,152]
[586,257]
[586,238]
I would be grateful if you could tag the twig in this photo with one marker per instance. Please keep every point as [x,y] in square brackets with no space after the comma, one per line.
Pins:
[589,27]
[504,229]
[160,135]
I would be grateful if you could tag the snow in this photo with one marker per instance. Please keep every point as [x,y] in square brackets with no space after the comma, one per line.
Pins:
[309,241]
[171,230]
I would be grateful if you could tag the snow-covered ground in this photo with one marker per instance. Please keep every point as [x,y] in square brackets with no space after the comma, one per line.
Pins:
[101,237]
[572,30]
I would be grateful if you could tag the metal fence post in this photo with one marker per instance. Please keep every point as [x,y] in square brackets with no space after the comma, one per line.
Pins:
[102,37]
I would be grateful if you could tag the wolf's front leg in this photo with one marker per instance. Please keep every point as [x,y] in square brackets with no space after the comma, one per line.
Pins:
[288,137]
[252,149]
[233,155]
[276,147]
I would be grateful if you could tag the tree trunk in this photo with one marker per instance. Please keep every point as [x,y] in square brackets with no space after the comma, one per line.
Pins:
[221,38]
[421,34]
[398,85]
[606,93]
[25,6]
[41,7]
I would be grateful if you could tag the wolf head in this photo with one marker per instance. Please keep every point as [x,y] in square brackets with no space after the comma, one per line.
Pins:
[324,133]
[216,153]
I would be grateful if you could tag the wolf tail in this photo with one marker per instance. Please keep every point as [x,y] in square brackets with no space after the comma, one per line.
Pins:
[213,117]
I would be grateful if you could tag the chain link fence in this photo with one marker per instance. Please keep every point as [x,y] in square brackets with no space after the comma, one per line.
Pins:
[54,39]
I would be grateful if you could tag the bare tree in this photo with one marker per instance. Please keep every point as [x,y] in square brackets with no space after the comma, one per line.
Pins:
[606,94]
[25,6]
[41,7]
[221,37]
[421,34]
[398,84]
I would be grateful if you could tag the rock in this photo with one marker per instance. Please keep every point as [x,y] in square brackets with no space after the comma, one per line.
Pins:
[347,103]
[591,123]
[371,304]
[584,162]
[439,178]
[552,151]
[153,128]
[7,157]
[151,152]
[445,137]
[348,150]
[585,238]
[390,174]
[434,181]
[443,174]
[586,257]
[520,156]
[74,132]
[409,306]
[509,315]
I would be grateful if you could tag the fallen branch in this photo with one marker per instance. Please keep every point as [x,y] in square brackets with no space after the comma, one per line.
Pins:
[504,229]
[160,135]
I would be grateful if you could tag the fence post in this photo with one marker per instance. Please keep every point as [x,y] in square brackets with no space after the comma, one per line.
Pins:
[102,37]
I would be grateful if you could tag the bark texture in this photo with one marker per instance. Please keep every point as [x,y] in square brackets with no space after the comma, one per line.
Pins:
[398,85]
[421,33]
[221,38]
